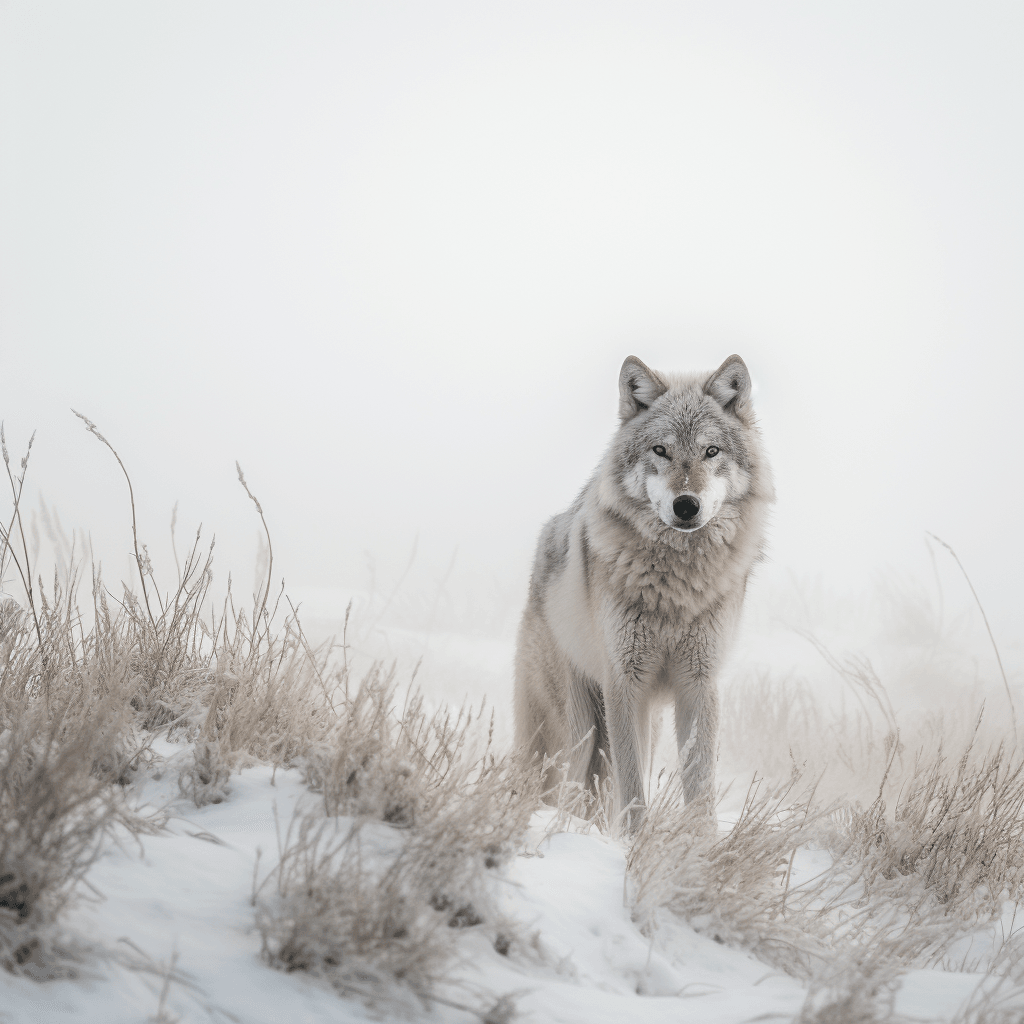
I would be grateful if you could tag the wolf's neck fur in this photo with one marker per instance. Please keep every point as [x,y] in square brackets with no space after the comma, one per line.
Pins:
[674,575]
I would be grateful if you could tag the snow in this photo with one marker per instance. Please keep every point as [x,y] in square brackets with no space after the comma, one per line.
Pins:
[186,894]
[573,895]
[173,911]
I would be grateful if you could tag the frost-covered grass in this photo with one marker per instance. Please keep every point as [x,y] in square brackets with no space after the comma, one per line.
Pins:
[81,709]
[282,828]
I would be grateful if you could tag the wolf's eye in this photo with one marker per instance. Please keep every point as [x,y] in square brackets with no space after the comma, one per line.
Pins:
[711,452]
[660,450]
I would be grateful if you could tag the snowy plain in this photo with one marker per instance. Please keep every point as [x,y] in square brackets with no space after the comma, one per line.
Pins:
[187,895]
[165,926]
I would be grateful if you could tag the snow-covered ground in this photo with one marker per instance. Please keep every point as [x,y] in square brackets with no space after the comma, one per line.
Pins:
[166,927]
[188,894]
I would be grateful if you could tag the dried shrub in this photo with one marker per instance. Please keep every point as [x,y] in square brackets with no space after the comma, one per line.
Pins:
[955,838]
[265,697]
[731,886]
[935,856]
[369,932]
[448,814]
[59,725]
[207,780]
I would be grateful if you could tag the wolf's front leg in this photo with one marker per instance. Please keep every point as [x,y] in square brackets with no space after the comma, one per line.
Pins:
[696,714]
[635,655]
[629,729]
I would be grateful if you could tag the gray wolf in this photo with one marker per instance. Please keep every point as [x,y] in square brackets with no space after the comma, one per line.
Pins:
[637,588]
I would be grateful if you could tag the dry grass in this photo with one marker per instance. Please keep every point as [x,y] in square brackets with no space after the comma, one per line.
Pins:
[64,745]
[65,742]
[897,892]
[918,819]
[731,886]
[955,837]
[456,813]
[80,707]
[333,915]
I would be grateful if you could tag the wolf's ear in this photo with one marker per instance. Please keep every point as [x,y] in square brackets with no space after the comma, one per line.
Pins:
[639,386]
[729,386]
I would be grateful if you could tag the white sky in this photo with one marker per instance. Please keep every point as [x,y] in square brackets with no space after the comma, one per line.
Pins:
[390,256]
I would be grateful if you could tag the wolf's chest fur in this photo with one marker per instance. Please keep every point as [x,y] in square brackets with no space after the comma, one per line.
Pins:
[669,585]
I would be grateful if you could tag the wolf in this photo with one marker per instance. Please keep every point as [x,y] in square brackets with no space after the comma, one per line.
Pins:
[637,587]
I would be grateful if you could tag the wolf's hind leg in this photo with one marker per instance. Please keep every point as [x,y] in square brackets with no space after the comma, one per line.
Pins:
[600,760]
[582,707]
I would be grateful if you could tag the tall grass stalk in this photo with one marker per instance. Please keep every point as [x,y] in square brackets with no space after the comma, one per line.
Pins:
[988,627]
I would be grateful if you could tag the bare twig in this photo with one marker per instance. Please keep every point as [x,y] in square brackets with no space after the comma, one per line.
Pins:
[991,636]
[16,490]
[174,547]
[91,427]
[270,550]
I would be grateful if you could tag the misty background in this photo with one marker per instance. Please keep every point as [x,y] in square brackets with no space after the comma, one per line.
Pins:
[390,257]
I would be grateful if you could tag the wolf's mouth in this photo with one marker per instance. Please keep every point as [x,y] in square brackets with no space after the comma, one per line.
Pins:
[687,529]
[673,522]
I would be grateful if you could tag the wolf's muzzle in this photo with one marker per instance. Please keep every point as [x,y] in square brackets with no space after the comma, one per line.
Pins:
[686,507]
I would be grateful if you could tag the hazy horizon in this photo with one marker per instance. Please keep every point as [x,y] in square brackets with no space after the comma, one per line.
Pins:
[390,258]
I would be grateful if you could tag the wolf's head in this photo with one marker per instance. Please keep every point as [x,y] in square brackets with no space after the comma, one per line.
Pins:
[687,448]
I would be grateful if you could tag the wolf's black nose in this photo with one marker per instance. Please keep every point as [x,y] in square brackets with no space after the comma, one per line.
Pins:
[686,507]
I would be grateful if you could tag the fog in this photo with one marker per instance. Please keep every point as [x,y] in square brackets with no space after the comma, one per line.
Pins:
[390,257]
